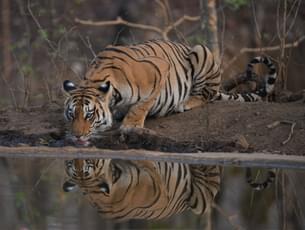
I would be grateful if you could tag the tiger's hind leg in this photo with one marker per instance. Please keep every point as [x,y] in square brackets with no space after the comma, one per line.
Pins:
[206,77]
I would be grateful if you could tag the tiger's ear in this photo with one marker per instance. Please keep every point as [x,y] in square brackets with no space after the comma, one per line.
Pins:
[104,87]
[69,186]
[69,86]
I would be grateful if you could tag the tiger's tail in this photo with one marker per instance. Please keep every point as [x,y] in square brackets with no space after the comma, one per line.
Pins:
[266,90]
[259,186]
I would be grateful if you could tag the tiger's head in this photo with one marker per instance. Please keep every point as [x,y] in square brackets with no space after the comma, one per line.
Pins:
[87,108]
[117,188]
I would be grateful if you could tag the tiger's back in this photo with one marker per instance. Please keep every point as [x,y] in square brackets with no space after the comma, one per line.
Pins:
[182,72]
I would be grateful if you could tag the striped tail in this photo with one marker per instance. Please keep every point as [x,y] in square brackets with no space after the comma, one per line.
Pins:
[259,186]
[259,94]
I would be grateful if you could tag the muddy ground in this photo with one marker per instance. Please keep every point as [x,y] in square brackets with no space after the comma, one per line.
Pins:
[219,126]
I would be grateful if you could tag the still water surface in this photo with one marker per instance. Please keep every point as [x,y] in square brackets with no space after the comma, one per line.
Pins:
[32,196]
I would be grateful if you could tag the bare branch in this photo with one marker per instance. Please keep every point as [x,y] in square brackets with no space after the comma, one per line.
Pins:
[294,44]
[119,21]
[41,30]
[180,21]
[164,9]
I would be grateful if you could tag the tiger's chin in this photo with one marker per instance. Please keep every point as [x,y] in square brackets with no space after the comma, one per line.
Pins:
[80,141]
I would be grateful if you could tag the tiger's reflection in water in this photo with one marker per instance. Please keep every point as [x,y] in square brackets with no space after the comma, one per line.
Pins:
[123,189]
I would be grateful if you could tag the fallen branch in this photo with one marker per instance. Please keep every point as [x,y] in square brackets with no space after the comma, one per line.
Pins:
[207,158]
[290,133]
[273,124]
[277,123]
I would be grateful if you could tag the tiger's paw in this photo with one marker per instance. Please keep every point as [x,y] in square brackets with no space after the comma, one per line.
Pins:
[180,108]
[127,129]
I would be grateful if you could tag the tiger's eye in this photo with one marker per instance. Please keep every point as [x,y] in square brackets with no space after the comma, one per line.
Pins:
[71,113]
[89,116]
[104,188]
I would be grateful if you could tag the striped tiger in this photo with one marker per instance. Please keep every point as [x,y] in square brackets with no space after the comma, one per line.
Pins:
[122,189]
[154,78]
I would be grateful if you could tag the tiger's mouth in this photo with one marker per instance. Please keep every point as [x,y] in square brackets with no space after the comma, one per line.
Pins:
[81,141]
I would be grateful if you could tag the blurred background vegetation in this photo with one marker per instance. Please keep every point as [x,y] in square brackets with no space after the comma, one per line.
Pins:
[42,42]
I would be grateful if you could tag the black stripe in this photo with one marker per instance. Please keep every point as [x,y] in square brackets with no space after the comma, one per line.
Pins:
[153,50]
[203,63]
[126,78]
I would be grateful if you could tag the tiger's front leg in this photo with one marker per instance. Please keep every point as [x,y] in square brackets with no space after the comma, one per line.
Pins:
[150,74]
[135,118]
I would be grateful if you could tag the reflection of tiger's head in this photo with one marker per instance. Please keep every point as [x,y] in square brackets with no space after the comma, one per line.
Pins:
[119,189]
[87,107]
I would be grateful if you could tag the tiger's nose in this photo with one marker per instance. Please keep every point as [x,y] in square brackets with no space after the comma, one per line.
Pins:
[78,135]
[79,132]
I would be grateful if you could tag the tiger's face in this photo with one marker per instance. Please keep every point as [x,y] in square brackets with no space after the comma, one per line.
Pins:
[87,108]
[111,185]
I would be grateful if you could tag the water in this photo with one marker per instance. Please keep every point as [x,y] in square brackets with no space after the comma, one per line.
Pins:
[32,197]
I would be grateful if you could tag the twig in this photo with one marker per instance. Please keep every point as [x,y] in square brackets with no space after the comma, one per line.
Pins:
[40,27]
[163,6]
[26,81]
[180,21]
[277,123]
[273,124]
[290,133]
[88,44]
[294,44]
[255,20]
[53,46]
[298,2]
[11,91]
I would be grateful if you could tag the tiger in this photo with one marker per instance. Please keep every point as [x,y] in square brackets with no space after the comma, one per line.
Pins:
[122,190]
[153,78]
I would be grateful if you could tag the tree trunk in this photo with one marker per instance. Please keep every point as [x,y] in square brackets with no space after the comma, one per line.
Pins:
[209,25]
[6,39]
